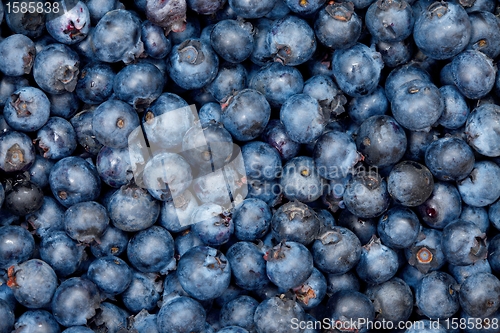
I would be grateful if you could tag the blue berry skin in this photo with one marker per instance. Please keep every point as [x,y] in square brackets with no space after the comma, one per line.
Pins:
[300,180]
[417,105]
[56,69]
[262,162]
[312,291]
[460,273]
[212,224]
[325,91]
[174,211]
[232,329]
[77,329]
[476,215]
[165,125]
[29,24]
[7,317]
[426,254]
[172,288]
[477,189]
[363,228]
[17,53]
[396,53]
[151,250]
[377,263]
[484,29]
[410,183]
[73,180]
[251,219]
[482,128]
[111,274]
[2,194]
[126,44]
[230,79]
[204,272]
[261,55]
[443,206]
[357,69]
[480,295]
[346,307]
[113,166]
[463,243]
[144,292]
[110,318]
[85,222]
[239,312]
[246,115]
[411,276]
[336,251]
[17,245]
[374,104]
[390,21]
[62,253]
[144,322]
[170,15]
[381,140]
[232,40]
[17,152]
[203,7]
[275,135]
[398,228]
[27,109]
[64,105]
[56,139]
[48,218]
[478,79]
[182,314]
[338,26]
[82,123]
[33,283]
[132,208]
[449,159]
[192,64]
[277,82]
[156,44]
[210,112]
[113,121]
[186,241]
[72,26]
[437,295]
[295,221]
[250,9]
[9,85]
[303,118]
[335,155]
[139,84]
[37,321]
[95,84]
[75,301]
[392,300]
[401,75]
[291,41]
[247,265]
[433,39]
[456,110]
[192,30]
[305,9]
[277,315]
[113,243]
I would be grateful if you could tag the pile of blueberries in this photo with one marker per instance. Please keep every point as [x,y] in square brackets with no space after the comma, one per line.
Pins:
[341,172]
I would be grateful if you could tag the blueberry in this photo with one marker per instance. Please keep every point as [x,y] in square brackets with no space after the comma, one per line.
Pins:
[476,215]
[443,206]
[9,85]
[300,180]
[278,315]
[390,21]
[246,115]
[17,153]
[64,105]
[170,15]
[426,253]
[366,195]
[126,43]
[192,64]
[401,75]
[478,66]
[210,112]
[144,322]
[27,109]
[113,121]
[30,24]
[396,53]
[481,129]
[232,40]
[480,295]
[56,69]
[85,222]
[110,318]
[151,250]
[112,242]
[239,312]
[338,26]
[7,316]
[205,7]
[339,242]
[113,166]
[484,28]
[75,301]
[82,124]
[392,300]
[438,42]
[212,224]
[437,295]
[357,69]
[291,41]
[17,53]
[17,245]
[377,263]
[23,197]
[111,274]
[182,314]
[476,189]
[172,212]
[410,183]
[144,292]
[345,309]
[69,27]
[95,83]
[363,228]
[62,253]
[37,320]
[398,228]
[56,139]
[312,291]
[463,243]
[132,208]
[156,44]
[249,9]
[460,273]
[73,180]
[230,79]
[247,265]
